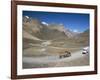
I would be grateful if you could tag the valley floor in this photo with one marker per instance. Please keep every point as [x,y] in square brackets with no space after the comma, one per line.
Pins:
[76,59]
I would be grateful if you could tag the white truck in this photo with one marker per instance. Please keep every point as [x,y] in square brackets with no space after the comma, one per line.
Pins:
[85,50]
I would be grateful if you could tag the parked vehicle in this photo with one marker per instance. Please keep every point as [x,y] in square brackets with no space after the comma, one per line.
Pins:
[85,50]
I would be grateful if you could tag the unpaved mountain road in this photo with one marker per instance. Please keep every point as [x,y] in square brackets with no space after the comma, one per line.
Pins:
[49,59]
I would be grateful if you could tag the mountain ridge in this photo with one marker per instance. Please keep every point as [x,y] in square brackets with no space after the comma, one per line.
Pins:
[34,26]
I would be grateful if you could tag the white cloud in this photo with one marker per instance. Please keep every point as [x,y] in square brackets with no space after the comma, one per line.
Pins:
[75,30]
[45,23]
[61,24]
[27,16]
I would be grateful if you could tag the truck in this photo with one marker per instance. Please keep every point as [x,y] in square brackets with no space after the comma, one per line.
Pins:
[66,54]
[85,50]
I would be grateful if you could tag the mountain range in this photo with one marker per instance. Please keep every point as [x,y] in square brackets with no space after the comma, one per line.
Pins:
[36,31]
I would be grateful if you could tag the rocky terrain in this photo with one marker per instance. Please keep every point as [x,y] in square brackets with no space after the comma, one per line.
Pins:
[41,39]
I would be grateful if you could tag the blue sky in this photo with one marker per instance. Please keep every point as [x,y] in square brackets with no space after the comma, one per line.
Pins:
[76,22]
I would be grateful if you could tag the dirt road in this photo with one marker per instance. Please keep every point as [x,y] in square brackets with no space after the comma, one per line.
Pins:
[55,59]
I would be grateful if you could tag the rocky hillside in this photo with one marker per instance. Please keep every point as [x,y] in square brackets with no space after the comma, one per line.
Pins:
[83,38]
[45,31]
